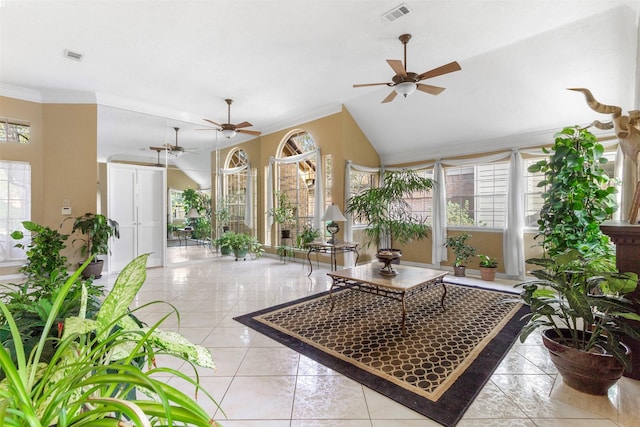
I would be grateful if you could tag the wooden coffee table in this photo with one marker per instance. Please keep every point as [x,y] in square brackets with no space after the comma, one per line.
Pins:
[409,281]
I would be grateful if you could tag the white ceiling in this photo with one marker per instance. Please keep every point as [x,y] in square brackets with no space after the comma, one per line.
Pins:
[155,65]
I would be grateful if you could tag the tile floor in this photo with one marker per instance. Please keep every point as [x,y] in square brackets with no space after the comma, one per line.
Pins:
[260,383]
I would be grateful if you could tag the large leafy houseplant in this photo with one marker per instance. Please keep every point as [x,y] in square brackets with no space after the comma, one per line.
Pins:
[584,308]
[88,379]
[96,230]
[578,195]
[387,212]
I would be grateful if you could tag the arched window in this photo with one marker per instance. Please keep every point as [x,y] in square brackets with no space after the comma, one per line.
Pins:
[299,181]
[235,206]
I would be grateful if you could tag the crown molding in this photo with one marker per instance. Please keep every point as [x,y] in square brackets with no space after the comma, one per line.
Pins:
[17,92]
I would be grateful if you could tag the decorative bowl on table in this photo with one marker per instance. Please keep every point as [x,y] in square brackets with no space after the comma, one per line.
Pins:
[387,257]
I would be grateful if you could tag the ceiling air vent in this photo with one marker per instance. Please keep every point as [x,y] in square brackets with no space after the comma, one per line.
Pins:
[396,13]
[69,54]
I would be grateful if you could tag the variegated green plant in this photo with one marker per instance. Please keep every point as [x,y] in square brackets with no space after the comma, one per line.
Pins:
[568,294]
[89,378]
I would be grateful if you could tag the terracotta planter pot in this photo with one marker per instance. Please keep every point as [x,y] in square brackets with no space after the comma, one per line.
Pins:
[488,273]
[588,372]
[459,270]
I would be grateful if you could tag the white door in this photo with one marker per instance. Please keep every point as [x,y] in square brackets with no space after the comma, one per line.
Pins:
[136,201]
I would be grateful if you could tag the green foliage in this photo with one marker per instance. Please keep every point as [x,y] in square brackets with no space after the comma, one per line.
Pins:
[284,211]
[222,215]
[43,253]
[461,249]
[579,196]
[88,378]
[386,211]
[97,230]
[487,262]
[236,242]
[201,202]
[569,294]
[459,215]
[306,236]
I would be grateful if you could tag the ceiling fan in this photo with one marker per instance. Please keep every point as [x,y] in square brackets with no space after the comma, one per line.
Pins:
[229,130]
[176,150]
[405,83]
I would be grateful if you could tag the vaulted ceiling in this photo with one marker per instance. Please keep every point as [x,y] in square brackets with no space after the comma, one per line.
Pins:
[155,65]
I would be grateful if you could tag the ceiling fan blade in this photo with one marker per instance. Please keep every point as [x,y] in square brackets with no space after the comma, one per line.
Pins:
[390,97]
[243,125]
[433,90]
[250,132]
[444,69]
[370,84]
[212,122]
[158,149]
[397,66]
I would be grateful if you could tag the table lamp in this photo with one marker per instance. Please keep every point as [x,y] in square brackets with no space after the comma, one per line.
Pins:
[333,214]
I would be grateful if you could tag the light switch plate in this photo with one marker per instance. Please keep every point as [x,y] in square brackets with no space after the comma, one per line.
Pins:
[66,210]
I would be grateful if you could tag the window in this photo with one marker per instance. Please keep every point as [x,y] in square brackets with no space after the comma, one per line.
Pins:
[15,206]
[421,202]
[476,195]
[533,200]
[16,131]
[533,194]
[361,181]
[297,180]
[235,191]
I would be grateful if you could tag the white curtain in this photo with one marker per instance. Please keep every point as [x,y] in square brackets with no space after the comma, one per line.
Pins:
[439,227]
[348,230]
[248,206]
[513,235]
[16,181]
[318,205]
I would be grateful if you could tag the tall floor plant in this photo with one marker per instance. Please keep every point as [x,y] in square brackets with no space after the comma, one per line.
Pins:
[578,195]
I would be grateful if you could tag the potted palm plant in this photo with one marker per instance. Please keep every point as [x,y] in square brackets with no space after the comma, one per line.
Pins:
[96,229]
[462,251]
[488,267]
[389,217]
[585,317]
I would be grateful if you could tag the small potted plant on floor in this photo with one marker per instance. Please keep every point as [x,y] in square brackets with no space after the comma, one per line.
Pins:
[224,242]
[240,244]
[488,267]
[96,229]
[462,251]
[585,317]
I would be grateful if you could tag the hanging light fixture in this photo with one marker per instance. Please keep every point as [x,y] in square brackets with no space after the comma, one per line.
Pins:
[405,88]
[228,133]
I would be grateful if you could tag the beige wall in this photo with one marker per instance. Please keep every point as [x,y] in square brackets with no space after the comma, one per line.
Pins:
[63,158]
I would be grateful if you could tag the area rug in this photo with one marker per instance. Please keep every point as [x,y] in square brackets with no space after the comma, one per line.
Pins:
[437,368]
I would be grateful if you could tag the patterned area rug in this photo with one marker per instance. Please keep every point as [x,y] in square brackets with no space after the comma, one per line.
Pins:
[436,369]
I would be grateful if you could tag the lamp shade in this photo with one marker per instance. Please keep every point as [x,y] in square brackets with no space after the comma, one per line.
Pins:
[228,133]
[405,88]
[193,213]
[333,214]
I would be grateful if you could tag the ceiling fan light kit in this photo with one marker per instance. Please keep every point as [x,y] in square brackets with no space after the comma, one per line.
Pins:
[228,133]
[405,88]
[405,83]
[229,130]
